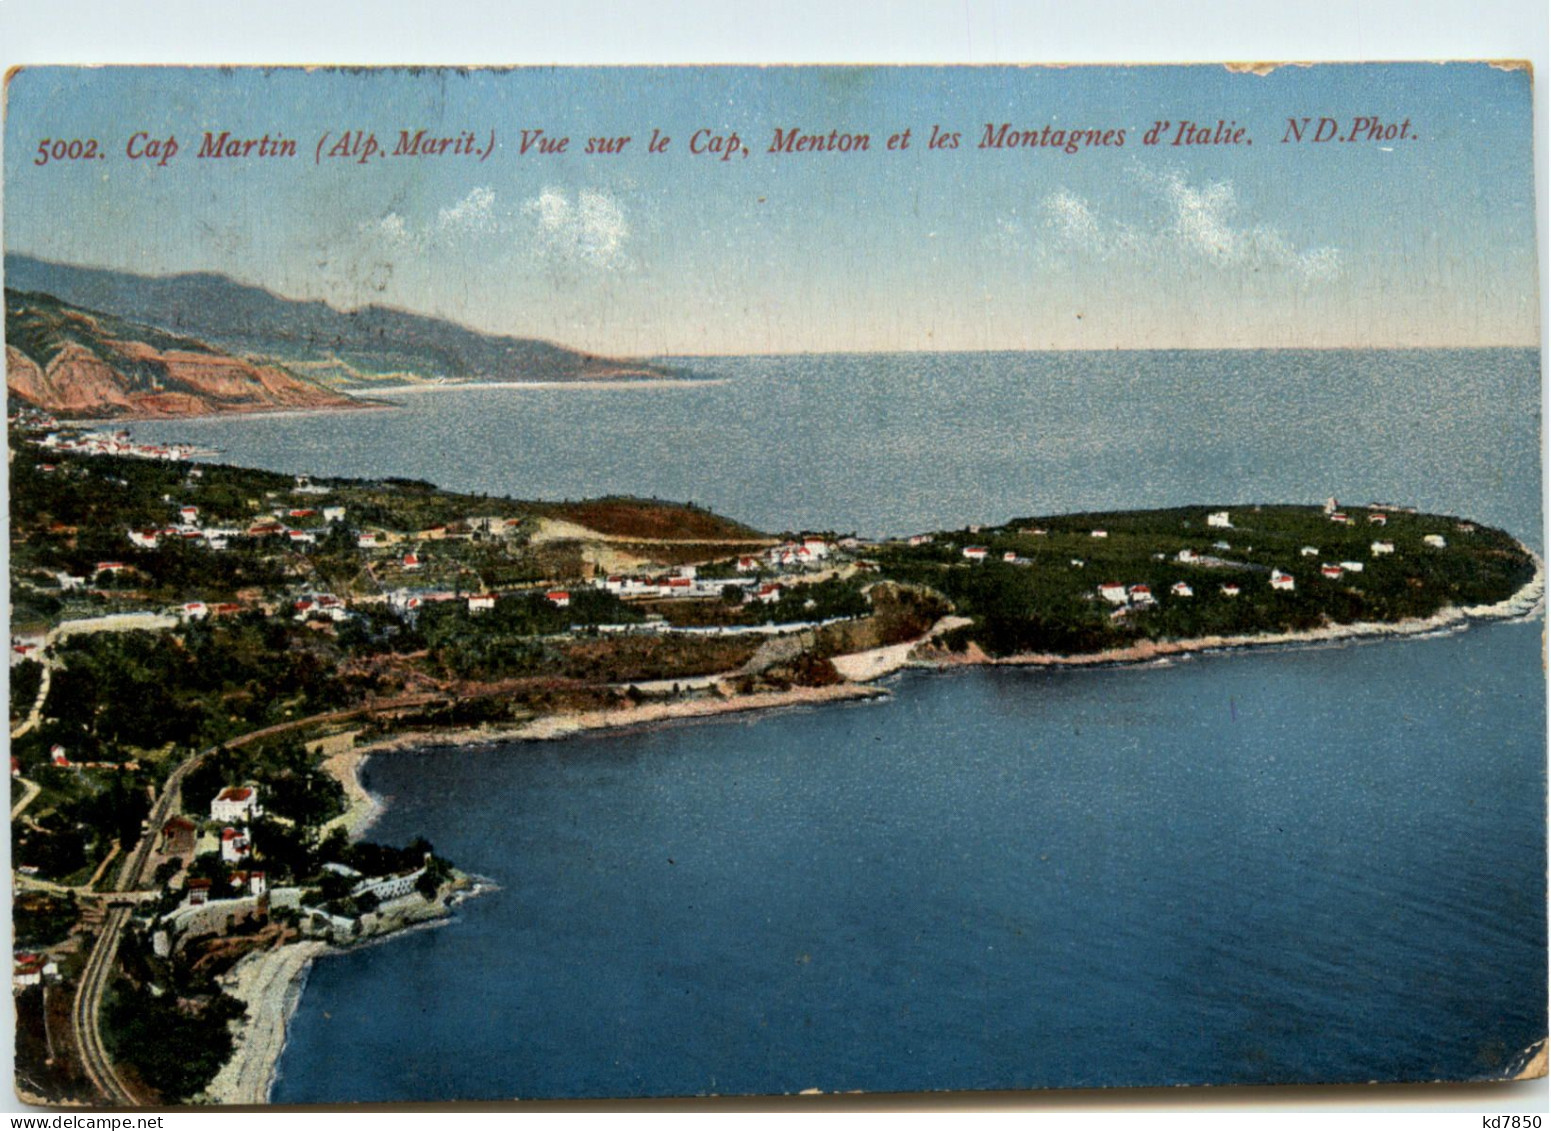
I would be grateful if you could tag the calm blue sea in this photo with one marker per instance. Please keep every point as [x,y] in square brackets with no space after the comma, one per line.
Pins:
[1303,865]
[892,443]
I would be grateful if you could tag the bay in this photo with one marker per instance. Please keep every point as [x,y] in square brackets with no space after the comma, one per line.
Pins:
[1272,866]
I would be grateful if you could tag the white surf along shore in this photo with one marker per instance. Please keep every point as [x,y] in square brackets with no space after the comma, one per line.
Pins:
[270,982]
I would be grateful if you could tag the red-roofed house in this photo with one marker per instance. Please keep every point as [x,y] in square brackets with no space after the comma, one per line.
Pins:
[560,598]
[235,803]
[235,845]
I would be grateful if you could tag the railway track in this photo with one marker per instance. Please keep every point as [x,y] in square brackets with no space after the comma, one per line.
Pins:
[86,1014]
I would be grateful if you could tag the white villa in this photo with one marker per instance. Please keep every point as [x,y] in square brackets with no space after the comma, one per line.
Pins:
[1280,580]
[1219,518]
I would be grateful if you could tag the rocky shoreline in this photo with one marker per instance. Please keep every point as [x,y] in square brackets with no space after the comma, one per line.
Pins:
[1524,603]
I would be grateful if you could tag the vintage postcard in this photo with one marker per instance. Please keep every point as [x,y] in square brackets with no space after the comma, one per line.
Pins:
[678,581]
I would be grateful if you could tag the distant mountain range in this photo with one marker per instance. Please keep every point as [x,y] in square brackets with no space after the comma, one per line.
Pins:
[81,363]
[344,350]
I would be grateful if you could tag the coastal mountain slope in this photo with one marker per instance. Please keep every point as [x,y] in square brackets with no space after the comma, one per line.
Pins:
[344,349]
[81,363]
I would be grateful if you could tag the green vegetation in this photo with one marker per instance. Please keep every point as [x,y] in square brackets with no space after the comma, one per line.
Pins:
[39,919]
[26,678]
[176,1036]
[1049,604]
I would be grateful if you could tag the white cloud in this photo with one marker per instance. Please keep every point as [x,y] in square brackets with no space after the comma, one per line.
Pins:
[474,213]
[589,227]
[1200,223]
[391,230]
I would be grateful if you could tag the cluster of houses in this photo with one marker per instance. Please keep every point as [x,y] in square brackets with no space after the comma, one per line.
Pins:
[680,581]
[115,444]
[281,522]
[216,905]
[809,551]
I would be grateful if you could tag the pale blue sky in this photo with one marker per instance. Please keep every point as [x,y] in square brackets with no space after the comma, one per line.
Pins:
[1410,242]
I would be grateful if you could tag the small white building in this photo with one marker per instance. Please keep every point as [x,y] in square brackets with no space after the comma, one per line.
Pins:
[1099,534]
[1230,590]
[1434,540]
[481,602]
[1219,518]
[1333,572]
[194,610]
[389,887]
[1140,594]
[1310,551]
[1352,567]
[560,598]
[1181,589]
[1189,556]
[975,553]
[768,594]
[1377,519]
[1381,548]
[1077,563]
[235,803]
[333,514]
[1113,592]
[235,845]
[745,565]
[1280,580]
[145,539]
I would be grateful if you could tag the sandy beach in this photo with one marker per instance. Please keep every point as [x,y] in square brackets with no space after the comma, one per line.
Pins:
[342,759]
[270,984]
